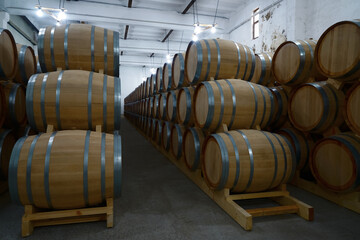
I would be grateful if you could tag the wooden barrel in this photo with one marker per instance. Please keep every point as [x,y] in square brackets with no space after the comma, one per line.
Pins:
[15,111]
[171,105]
[176,140]
[152,85]
[218,59]
[7,142]
[147,87]
[26,66]
[301,144]
[335,162]
[24,131]
[8,55]
[184,103]
[158,132]
[192,144]
[159,81]
[2,106]
[316,107]
[66,169]
[280,116]
[352,108]
[247,161]
[179,79]
[151,133]
[155,106]
[167,77]
[79,47]
[263,73]
[50,101]
[166,131]
[236,103]
[150,106]
[293,62]
[338,49]
[162,106]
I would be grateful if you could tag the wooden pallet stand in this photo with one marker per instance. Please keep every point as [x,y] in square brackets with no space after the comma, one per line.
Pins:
[226,200]
[348,200]
[34,217]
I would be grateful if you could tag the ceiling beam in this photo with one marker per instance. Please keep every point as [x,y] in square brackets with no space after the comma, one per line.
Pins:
[167,35]
[127,26]
[147,46]
[112,13]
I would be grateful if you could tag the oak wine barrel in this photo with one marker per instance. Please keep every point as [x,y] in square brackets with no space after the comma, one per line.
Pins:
[165,138]
[316,107]
[15,112]
[152,85]
[184,105]
[162,106]
[293,62]
[247,161]
[335,162]
[171,105]
[73,99]
[66,169]
[218,59]
[176,140]
[338,50]
[26,66]
[7,143]
[79,47]
[236,103]
[280,116]
[179,79]
[352,108]
[301,144]
[263,73]
[192,146]
[155,106]
[167,77]
[158,132]
[159,81]
[8,55]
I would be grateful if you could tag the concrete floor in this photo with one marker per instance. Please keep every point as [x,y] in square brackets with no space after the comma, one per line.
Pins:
[159,202]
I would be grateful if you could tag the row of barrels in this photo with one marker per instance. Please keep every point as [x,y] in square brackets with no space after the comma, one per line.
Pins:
[253,160]
[292,64]
[311,107]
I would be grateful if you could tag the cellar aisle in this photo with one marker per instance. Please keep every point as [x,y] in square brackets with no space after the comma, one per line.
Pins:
[159,202]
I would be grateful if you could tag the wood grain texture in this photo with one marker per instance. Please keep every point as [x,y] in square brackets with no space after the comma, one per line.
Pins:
[8,55]
[338,51]
[26,65]
[316,107]
[192,146]
[185,108]
[66,170]
[73,101]
[227,60]
[263,73]
[352,108]
[334,161]
[79,49]
[256,175]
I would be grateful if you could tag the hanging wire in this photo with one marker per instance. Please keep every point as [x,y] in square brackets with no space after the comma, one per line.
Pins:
[197,12]
[182,35]
[60,4]
[39,2]
[217,5]
[194,13]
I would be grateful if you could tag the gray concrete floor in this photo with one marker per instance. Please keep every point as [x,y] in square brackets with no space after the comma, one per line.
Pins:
[159,202]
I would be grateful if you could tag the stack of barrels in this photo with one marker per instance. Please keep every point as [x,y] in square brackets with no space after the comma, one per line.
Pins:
[76,166]
[306,95]
[17,64]
[216,82]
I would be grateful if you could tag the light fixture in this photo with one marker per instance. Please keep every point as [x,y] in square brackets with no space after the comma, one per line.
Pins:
[58,23]
[168,58]
[152,70]
[213,28]
[194,38]
[143,78]
[39,12]
[62,14]
[197,28]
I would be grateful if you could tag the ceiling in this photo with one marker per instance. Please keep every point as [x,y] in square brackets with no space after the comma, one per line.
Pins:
[144,25]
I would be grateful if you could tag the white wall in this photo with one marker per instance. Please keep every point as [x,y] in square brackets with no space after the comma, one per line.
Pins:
[282,20]
[131,77]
